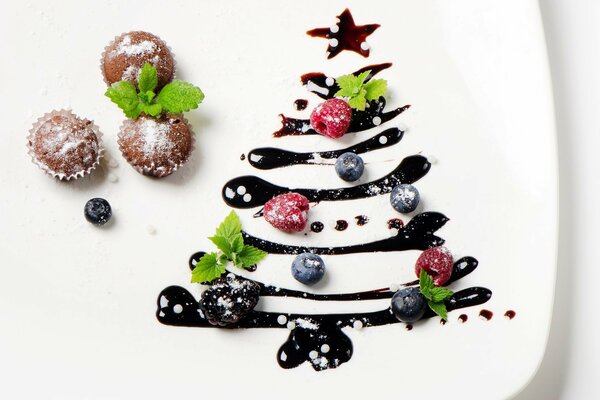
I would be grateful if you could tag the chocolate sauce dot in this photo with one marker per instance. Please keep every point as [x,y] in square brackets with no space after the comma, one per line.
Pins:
[252,268]
[463,318]
[443,321]
[395,223]
[408,327]
[361,220]
[243,157]
[317,226]
[341,225]
[487,314]
[301,104]
[510,314]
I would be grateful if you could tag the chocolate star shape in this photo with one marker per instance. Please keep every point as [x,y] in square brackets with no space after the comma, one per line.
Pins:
[346,35]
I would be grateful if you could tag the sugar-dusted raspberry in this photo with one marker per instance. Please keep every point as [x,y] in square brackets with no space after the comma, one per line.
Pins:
[437,262]
[287,212]
[331,118]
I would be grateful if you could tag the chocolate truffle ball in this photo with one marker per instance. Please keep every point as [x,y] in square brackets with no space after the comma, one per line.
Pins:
[156,146]
[126,55]
[64,145]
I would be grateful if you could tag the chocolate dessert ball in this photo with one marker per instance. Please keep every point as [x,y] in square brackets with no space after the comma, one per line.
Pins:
[126,55]
[156,146]
[64,145]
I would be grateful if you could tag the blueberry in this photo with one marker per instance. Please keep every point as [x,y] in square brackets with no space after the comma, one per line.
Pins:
[405,198]
[97,211]
[308,268]
[409,305]
[349,167]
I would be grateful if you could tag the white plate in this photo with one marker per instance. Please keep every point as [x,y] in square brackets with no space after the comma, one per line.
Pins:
[79,302]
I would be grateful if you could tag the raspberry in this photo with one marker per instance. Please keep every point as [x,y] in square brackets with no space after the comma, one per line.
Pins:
[228,299]
[437,262]
[287,212]
[331,118]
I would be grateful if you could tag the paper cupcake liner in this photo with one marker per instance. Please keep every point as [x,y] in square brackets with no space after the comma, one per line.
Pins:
[59,175]
[156,172]
[120,36]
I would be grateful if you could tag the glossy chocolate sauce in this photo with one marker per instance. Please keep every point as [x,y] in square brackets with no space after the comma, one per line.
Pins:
[371,117]
[300,104]
[361,220]
[345,35]
[257,191]
[510,314]
[416,235]
[486,314]
[341,225]
[463,318]
[243,157]
[271,157]
[395,223]
[317,227]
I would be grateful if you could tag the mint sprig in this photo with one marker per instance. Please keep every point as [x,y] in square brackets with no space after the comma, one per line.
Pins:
[175,97]
[358,92]
[435,295]
[228,239]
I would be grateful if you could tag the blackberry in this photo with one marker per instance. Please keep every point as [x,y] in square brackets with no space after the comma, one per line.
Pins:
[229,299]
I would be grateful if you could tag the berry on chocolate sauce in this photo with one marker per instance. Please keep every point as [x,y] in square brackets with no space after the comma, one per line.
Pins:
[287,212]
[97,211]
[405,198]
[308,268]
[437,262]
[409,305]
[331,118]
[349,167]
[229,299]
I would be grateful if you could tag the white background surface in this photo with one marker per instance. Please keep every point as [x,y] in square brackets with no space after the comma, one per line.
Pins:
[570,367]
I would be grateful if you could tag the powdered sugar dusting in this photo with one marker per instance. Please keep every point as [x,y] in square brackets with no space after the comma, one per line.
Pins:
[133,49]
[154,136]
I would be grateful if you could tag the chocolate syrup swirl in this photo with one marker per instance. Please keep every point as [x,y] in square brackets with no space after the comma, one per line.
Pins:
[317,82]
[416,235]
[371,117]
[271,157]
[257,191]
[346,35]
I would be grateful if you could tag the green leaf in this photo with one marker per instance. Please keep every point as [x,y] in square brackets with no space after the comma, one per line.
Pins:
[230,227]
[349,86]
[250,256]
[146,97]
[207,269]
[439,294]
[177,97]
[375,89]
[148,78]
[151,109]
[361,78]
[358,103]
[426,284]
[222,244]
[439,309]
[237,243]
[124,95]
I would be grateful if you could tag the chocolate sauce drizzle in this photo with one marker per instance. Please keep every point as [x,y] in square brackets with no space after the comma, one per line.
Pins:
[317,82]
[347,35]
[258,191]
[272,157]
[316,339]
[416,235]
[371,117]
[301,104]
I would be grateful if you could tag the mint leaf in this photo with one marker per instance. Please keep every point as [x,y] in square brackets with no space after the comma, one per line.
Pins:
[237,243]
[146,97]
[124,95]
[375,89]
[151,109]
[349,86]
[177,97]
[359,102]
[148,79]
[426,284]
[439,294]
[361,78]
[439,309]
[222,244]
[230,227]
[207,269]
[250,256]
